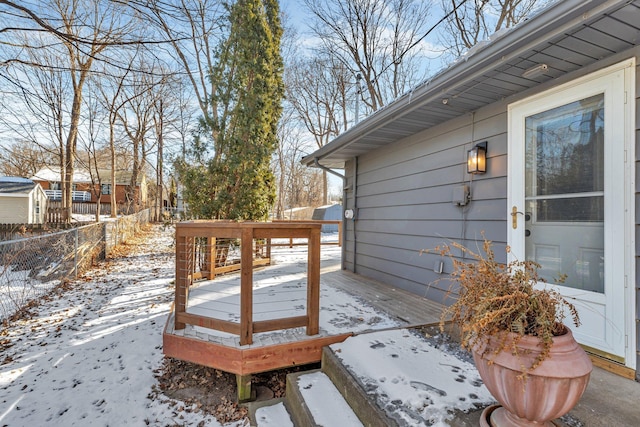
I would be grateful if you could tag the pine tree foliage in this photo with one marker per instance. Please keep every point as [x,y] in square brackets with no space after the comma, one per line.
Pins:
[236,181]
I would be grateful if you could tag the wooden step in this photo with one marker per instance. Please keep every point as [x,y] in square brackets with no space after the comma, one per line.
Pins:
[398,377]
[270,414]
[313,400]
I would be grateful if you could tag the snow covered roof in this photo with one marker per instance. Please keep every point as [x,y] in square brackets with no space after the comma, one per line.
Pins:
[16,186]
[15,179]
[52,174]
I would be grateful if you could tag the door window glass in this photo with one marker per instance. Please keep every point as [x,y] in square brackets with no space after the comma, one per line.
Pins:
[564,192]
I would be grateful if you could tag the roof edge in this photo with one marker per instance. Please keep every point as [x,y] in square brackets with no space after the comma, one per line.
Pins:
[527,33]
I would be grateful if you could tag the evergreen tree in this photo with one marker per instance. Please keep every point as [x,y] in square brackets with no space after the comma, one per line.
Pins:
[236,182]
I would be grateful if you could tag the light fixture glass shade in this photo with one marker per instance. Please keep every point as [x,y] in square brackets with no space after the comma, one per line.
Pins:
[477,159]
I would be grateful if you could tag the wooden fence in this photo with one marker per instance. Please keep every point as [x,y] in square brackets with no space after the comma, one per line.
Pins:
[57,215]
[86,208]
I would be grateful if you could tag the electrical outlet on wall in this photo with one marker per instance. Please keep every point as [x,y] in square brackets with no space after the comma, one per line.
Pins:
[461,195]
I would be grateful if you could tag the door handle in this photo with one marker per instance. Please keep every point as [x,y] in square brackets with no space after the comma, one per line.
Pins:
[514,217]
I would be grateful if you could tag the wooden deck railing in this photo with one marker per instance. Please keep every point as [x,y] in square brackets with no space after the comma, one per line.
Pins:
[323,222]
[193,262]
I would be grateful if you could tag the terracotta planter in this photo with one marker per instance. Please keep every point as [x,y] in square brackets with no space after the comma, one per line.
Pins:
[550,391]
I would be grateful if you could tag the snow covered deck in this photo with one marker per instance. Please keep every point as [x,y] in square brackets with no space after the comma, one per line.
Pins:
[349,304]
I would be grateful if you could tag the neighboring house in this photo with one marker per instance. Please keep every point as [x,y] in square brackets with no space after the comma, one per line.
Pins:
[555,100]
[49,178]
[22,201]
[328,213]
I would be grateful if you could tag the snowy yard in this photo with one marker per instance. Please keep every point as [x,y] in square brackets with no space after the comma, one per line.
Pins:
[90,354]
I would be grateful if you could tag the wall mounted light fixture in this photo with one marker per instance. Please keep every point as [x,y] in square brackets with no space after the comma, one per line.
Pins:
[477,158]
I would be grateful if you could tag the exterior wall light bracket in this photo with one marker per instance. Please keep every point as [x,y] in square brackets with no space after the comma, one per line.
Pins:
[477,159]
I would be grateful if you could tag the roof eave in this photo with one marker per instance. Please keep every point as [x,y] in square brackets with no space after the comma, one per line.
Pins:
[516,40]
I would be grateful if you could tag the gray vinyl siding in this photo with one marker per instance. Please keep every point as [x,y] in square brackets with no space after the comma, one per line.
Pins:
[404,197]
[404,201]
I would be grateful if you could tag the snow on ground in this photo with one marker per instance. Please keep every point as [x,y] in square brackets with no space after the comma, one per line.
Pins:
[415,380]
[18,287]
[88,357]
[326,405]
[273,416]
[90,218]
[280,291]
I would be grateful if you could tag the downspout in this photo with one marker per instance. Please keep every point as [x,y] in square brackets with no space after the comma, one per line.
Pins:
[331,171]
[344,201]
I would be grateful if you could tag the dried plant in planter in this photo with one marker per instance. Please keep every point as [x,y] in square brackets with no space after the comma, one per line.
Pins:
[495,299]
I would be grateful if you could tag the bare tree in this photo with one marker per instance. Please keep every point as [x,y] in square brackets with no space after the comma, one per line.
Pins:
[193,29]
[297,185]
[35,107]
[319,92]
[373,38]
[470,22]
[105,25]
[113,98]
[148,110]
[79,32]
[136,118]
[23,159]
[159,118]
[92,143]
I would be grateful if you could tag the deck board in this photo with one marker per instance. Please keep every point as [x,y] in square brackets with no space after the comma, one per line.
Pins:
[411,308]
[405,308]
[349,304]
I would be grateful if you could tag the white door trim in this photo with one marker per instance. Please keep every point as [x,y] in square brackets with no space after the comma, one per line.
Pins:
[625,229]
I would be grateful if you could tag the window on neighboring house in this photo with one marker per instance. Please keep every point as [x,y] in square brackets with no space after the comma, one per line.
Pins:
[105,188]
[54,186]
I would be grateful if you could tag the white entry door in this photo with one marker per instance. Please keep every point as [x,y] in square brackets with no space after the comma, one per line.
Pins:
[568,199]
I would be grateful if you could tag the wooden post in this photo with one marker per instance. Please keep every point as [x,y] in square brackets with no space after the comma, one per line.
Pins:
[269,248]
[244,388]
[210,258]
[181,278]
[340,234]
[313,282]
[246,286]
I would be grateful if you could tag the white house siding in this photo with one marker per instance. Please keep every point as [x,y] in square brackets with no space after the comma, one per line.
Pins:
[14,210]
[38,216]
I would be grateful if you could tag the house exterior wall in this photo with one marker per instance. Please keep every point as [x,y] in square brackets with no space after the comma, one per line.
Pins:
[140,196]
[120,195]
[38,206]
[403,193]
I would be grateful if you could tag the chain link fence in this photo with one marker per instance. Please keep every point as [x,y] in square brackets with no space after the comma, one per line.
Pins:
[33,267]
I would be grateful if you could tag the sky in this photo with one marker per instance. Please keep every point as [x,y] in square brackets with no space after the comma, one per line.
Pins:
[89,354]
[299,17]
